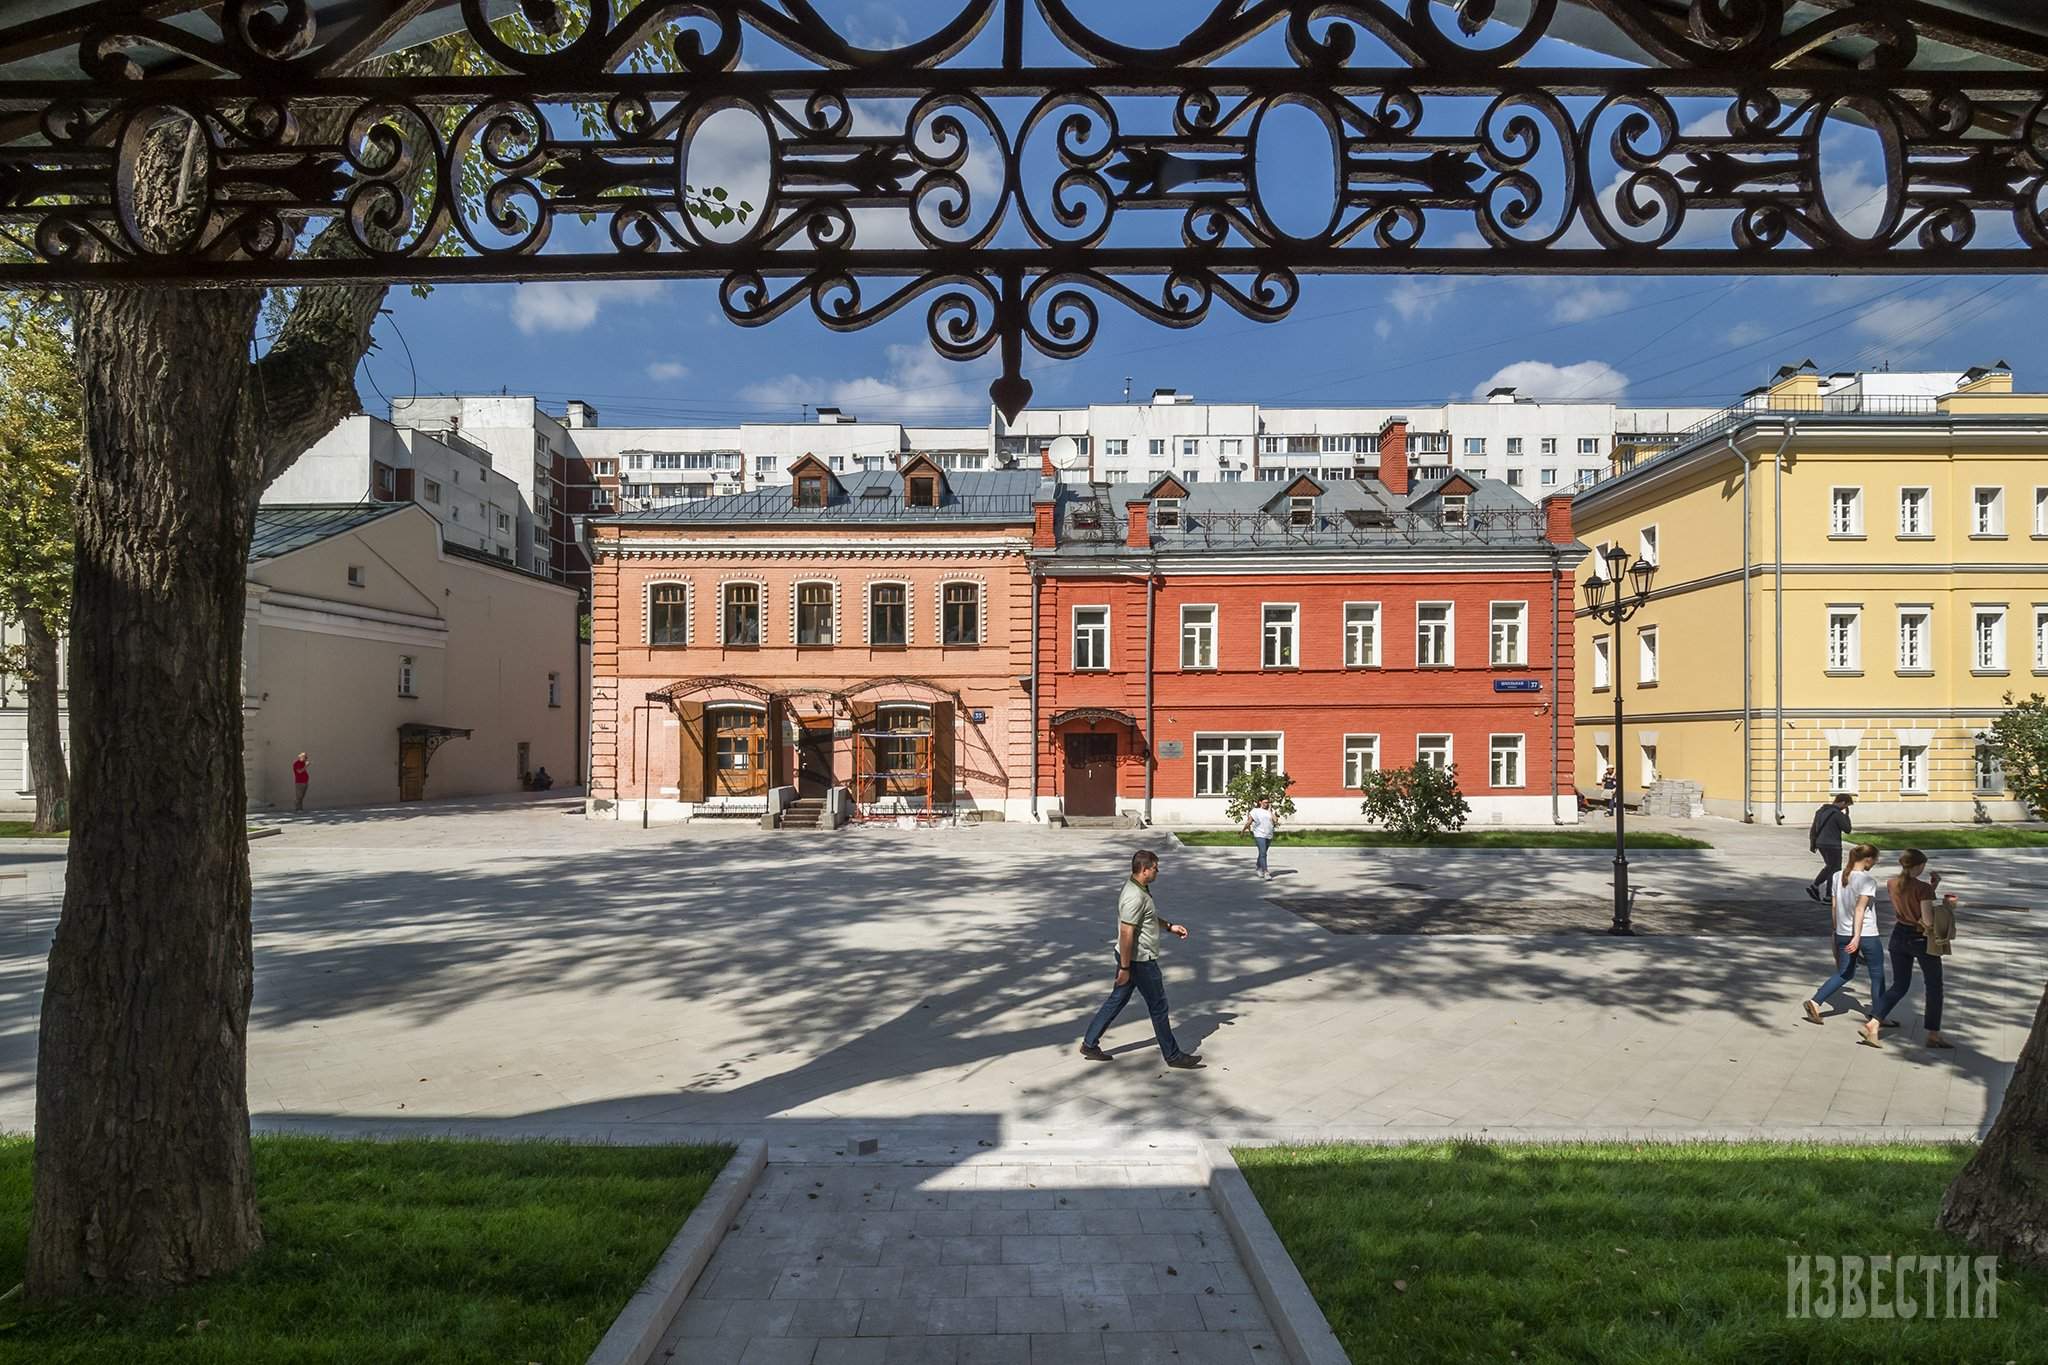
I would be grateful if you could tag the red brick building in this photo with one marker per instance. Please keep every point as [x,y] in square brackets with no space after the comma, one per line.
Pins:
[1186,632]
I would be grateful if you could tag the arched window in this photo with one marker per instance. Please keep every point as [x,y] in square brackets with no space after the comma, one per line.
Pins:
[668,613]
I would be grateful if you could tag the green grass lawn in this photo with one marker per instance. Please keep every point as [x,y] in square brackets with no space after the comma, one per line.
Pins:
[405,1253]
[1619,1253]
[23,829]
[1980,836]
[1480,838]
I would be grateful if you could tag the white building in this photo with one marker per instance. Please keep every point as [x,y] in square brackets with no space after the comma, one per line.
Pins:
[1530,445]
[16,793]
[366,459]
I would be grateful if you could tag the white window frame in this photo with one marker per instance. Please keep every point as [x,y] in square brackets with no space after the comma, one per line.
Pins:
[1924,505]
[867,608]
[1190,447]
[1546,478]
[407,676]
[1516,745]
[1518,657]
[2041,637]
[2041,511]
[1514,445]
[1155,445]
[1589,445]
[1603,663]
[1355,747]
[355,576]
[1450,639]
[1371,633]
[1845,514]
[1425,741]
[555,690]
[1646,763]
[980,612]
[1074,637]
[1842,767]
[1845,652]
[1649,656]
[1996,662]
[1991,526]
[1266,635]
[1987,774]
[1548,446]
[1912,770]
[1475,445]
[1273,760]
[1166,513]
[1114,446]
[1205,630]
[796,607]
[1921,661]
[647,612]
[1648,543]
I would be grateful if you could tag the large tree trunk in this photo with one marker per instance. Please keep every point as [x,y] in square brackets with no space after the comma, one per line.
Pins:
[45,731]
[2000,1201]
[142,1123]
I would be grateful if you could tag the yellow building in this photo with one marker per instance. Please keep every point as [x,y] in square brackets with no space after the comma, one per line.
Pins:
[1851,575]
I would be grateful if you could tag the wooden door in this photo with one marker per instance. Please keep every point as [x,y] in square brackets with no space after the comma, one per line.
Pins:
[412,769]
[1091,775]
[814,760]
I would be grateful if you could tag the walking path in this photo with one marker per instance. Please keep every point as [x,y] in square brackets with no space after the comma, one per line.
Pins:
[1109,1258]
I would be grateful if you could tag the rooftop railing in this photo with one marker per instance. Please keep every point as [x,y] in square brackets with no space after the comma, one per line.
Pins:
[1783,405]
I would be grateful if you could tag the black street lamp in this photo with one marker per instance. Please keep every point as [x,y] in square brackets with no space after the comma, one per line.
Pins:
[1613,608]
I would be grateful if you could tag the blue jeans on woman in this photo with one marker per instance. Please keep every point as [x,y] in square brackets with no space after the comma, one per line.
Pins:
[1908,946]
[1845,969]
[1147,980]
[1261,845]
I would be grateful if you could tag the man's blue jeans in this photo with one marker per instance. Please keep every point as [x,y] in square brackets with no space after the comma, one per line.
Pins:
[1261,845]
[1147,981]
[1872,953]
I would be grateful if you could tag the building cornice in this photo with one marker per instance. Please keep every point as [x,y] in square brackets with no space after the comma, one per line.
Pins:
[1297,565]
[812,550]
[1727,576]
[321,616]
[1596,719]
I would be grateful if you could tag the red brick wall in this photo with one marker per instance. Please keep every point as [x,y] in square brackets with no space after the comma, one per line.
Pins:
[1316,705]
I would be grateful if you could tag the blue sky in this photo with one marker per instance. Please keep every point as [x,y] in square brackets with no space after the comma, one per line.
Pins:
[662,352]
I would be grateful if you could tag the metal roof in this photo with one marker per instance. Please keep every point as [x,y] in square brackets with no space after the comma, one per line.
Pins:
[281,529]
[872,497]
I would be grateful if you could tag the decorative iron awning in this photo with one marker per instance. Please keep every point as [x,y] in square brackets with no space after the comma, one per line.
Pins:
[1015,166]
[434,735]
[1091,715]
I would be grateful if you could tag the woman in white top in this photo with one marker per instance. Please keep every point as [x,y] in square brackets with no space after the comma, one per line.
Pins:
[1855,897]
[1261,822]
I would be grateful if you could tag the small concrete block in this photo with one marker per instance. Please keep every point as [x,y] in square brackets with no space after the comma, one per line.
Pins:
[962,1317]
[864,1146]
[852,1351]
[779,1351]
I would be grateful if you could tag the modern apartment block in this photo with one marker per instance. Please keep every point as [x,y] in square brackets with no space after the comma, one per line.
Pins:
[1536,448]
[1852,573]
[366,459]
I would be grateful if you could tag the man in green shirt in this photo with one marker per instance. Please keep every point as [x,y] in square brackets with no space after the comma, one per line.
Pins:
[1137,965]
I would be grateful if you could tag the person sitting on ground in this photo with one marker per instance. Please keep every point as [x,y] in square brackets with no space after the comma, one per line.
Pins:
[541,780]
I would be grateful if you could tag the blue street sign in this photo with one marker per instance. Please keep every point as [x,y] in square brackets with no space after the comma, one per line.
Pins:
[1518,684]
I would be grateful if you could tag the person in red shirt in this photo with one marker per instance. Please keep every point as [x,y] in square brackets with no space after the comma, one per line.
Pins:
[300,778]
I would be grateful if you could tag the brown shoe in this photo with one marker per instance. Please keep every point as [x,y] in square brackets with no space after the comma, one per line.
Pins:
[1813,1013]
[1095,1054]
[1936,1040]
[1869,1034]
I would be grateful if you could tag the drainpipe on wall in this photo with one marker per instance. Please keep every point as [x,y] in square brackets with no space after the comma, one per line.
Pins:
[1151,587]
[1748,683]
[1556,626]
[1778,597]
[1035,583]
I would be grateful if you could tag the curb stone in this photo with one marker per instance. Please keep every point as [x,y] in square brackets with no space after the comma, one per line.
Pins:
[638,1329]
[1303,1329]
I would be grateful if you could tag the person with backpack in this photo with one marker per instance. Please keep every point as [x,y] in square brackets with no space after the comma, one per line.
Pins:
[1830,823]
[1923,926]
[1855,899]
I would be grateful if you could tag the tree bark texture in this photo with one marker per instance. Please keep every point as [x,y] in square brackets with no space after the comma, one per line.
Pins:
[1999,1203]
[45,730]
[142,1125]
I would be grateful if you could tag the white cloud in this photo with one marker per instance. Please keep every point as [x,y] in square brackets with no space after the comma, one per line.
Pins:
[1412,302]
[1743,333]
[1899,317]
[1581,300]
[1591,380]
[667,371]
[916,384]
[571,306]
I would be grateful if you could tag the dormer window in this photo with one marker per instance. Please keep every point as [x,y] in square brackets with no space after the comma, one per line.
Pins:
[1301,511]
[810,490]
[924,491]
[1454,509]
[1166,512]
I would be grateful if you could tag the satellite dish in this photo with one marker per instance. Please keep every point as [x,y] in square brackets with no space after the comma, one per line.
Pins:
[1065,453]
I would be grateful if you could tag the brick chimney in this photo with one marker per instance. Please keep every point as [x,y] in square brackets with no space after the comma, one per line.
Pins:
[1394,455]
[1042,537]
[1045,463]
[1138,529]
[1557,518]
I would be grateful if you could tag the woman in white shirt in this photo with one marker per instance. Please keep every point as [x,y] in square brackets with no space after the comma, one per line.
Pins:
[1855,897]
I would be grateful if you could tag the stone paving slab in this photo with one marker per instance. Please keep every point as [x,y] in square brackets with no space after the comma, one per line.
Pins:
[985,1260]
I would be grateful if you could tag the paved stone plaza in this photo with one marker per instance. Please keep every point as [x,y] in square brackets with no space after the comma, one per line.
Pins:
[519,964]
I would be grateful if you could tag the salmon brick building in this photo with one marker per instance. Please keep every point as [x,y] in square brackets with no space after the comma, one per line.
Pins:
[913,642]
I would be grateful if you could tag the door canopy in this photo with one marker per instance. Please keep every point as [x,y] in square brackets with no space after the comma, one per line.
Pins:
[1018,165]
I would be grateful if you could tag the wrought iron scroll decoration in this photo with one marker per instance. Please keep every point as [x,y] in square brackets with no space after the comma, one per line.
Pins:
[908,176]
